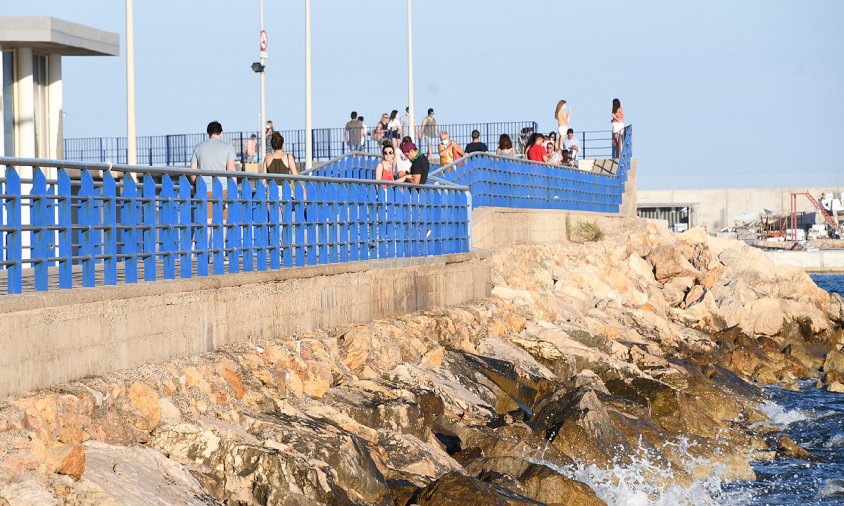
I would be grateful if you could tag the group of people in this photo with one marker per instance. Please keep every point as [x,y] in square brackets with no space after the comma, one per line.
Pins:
[402,159]
[390,127]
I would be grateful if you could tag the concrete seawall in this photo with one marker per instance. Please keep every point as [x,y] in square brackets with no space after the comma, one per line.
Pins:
[811,261]
[58,336]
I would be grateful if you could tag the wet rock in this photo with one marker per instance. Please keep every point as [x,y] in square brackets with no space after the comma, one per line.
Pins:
[454,489]
[787,447]
[550,487]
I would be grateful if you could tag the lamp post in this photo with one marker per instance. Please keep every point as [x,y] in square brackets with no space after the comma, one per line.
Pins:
[412,125]
[308,133]
[131,144]
[260,150]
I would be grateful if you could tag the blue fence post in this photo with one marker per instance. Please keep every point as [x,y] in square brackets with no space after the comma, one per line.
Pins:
[342,209]
[169,219]
[86,235]
[65,232]
[38,218]
[186,230]
[233,226]
[110,229]
[274,243]
[246,224]
[332,221]
[311,224]
[218,231]
[401,196]
[14,241]
[200,226]
[150,230]
[129,218]
[301,225]
[259,221]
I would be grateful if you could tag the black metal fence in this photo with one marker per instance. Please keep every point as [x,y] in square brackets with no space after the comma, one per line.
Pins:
[327,143]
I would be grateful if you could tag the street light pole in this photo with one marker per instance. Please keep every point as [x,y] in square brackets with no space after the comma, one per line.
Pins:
[260,150]
[131,144]
[410,68]
[308,134]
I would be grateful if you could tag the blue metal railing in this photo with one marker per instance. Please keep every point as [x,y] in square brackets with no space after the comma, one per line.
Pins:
[328,143]
[498,181]
[132,222]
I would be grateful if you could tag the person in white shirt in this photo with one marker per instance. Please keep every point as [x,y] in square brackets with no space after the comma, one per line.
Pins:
[405,122]
[571,144]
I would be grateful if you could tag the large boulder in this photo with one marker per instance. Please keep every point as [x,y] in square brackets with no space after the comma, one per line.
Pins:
[455,489]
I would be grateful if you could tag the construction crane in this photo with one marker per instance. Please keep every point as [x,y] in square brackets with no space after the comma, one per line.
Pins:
[833,224]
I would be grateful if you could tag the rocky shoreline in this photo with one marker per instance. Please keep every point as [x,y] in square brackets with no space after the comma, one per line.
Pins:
[588,355]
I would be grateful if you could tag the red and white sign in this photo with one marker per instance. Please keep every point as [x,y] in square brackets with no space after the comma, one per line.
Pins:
[264,40]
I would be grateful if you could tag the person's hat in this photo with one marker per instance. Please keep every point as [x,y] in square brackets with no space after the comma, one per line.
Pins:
[407,147]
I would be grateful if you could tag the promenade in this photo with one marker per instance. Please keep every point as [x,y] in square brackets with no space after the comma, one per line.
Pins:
[138,264]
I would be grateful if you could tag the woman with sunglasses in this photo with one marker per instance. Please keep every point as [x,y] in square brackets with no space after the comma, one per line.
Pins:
[384,169]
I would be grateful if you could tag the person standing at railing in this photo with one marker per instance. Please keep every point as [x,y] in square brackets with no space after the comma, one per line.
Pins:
[213,153]
[505,146]
[251,149]
[569,143]
[352,133]
[617,127]
[476,146]
[268,135]
[394,128]
[405,122]
[449,150]
[364,133]
[279,162]
[419,164]
[536,150]
[402,161]
[384,169]
[381,129]
[428,131]
[563,116]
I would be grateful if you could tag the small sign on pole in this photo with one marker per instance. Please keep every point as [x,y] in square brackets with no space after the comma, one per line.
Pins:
[264,41]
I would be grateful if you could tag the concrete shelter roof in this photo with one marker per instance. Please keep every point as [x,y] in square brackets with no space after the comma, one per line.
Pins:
[56,36]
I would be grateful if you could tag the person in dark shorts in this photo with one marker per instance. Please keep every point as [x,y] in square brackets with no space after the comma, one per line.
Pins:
[419,164]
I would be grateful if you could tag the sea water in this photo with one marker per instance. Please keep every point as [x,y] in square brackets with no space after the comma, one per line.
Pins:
[812,417]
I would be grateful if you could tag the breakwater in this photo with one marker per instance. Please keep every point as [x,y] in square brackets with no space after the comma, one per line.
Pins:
[602,370]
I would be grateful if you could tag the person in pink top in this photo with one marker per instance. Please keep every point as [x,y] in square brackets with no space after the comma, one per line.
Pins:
[384,169]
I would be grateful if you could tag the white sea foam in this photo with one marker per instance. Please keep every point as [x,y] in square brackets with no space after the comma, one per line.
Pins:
[836,441]
[832,488]
[779,416]
[643,481]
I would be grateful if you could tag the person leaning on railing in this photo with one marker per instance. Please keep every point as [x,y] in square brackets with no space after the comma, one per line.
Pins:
[419,164]
[279,162]
[449,150]
[505,147]
[384,169]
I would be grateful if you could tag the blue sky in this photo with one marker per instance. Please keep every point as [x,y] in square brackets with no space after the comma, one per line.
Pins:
[720,93]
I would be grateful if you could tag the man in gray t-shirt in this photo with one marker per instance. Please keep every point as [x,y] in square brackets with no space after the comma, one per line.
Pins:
[352,132]
[214,153]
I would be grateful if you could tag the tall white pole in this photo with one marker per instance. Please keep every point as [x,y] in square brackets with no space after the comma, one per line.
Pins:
[260,150]
[131,139]
[410,69]
[308,136]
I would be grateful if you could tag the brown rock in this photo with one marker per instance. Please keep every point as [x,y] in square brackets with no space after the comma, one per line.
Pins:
[357,343]
[145,400]
[66,459]
[550,487]
[234,382]
[454,489]
[834,362]
[786,446]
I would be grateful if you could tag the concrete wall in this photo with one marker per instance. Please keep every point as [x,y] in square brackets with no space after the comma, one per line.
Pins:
[57,336]
[811,261]
[719,208]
